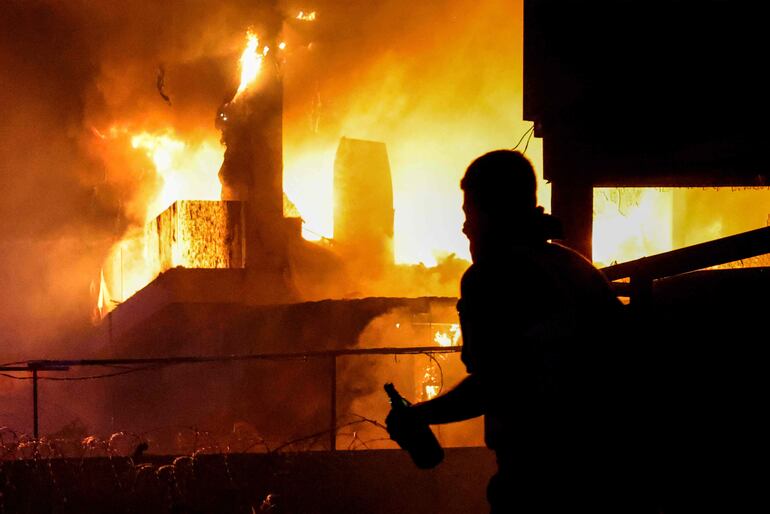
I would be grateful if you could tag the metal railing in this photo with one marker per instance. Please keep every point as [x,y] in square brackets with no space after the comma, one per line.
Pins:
[642,272]
[35,367]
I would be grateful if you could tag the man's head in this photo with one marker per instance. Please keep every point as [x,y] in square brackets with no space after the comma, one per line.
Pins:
[499,196]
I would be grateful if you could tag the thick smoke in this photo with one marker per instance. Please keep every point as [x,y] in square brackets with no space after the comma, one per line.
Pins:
[80,76]
[438,82]
[53,216]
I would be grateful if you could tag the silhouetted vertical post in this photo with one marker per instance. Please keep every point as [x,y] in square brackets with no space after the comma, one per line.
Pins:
[572,202]
[35,425]
[641,293]
[333,402]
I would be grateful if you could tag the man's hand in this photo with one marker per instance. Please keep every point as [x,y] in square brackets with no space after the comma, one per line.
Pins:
[400,422]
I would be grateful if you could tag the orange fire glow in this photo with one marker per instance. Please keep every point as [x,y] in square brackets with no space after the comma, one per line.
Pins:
[630,223]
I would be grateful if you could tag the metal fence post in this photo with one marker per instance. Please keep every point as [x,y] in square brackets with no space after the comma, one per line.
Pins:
[333,402]
[35,424]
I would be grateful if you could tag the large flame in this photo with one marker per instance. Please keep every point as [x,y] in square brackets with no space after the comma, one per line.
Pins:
[188,171]
[251,62]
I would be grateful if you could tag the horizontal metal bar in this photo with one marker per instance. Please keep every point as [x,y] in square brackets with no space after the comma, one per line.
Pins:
[621,288]
[695,257]
[36,367]
[45,365]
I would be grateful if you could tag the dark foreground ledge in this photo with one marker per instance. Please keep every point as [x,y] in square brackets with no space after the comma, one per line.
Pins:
[373,481]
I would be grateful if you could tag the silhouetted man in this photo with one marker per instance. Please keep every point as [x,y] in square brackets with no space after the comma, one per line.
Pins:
[536,320]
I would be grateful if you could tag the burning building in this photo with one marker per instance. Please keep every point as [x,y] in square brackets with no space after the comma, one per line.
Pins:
[235,276]
[245,233]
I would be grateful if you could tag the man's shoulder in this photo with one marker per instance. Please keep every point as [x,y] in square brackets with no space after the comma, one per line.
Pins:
[576,270]
[471,277]
[480,278]
[567,257]
[559,248]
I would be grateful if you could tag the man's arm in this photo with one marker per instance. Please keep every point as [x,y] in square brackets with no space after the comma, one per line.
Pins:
[458,404]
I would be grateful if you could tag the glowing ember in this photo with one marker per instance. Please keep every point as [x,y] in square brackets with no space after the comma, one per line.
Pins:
[309,16]
[431,381]
[450,338]
[431,391]
[251,62]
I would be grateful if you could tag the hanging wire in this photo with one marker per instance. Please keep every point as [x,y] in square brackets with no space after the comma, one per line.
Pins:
[529,138]
[440,371]
[529,132]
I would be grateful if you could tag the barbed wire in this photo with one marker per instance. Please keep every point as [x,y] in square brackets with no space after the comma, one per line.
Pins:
[157,481]
[12,442]
[20,446]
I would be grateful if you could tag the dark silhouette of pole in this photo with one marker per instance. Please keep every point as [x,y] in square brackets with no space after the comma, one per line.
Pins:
[35,427]
[333,400]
